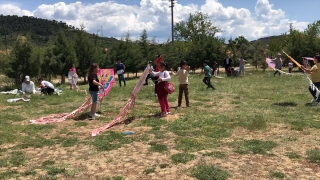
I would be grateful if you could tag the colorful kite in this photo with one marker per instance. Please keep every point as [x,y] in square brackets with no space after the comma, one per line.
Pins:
[123,113]
[106,77]
[270,63]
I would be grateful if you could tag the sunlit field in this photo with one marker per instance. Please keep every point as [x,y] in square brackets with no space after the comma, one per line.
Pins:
[252,127]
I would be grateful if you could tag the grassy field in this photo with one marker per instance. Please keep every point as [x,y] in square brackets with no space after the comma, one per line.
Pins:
[252,127]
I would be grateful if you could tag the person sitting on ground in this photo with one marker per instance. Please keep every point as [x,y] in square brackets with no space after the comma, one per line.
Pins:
[46,87]
[28,86]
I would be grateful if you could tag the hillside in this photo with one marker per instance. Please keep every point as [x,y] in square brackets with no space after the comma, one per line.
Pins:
[41,31]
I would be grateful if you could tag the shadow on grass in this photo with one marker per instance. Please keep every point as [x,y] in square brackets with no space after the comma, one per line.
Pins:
[286,104]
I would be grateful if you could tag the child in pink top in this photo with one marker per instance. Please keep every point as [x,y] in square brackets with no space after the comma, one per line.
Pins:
[73,77]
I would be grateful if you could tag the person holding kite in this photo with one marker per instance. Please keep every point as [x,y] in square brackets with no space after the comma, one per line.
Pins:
[94,86]
[278,64]
[315,78]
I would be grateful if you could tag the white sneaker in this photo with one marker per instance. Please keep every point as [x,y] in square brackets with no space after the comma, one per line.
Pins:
[168,112]
[97,115]
[313,100]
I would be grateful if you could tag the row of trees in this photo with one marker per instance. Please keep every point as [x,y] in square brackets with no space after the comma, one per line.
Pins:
[195,42]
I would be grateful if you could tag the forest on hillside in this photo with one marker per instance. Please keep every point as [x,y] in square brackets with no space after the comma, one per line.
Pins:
[40,31]
[49,49]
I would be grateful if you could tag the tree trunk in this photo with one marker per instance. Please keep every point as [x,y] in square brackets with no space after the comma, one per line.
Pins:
[63,79]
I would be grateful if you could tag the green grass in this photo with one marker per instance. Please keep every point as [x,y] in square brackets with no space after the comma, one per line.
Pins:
[258,115]
[209,172]
[155,147]
[254,146]
[314,156]
[277,174]
[182,158]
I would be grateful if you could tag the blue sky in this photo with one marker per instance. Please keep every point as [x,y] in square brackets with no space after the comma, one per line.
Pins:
[251,18]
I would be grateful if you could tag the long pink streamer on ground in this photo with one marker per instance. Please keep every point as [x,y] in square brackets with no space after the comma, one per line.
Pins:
[130,103]
[106,77]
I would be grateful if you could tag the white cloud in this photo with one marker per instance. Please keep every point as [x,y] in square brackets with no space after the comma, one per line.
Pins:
[155,16]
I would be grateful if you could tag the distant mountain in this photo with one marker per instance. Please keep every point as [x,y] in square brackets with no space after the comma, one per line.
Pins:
[41,31]
[266,40]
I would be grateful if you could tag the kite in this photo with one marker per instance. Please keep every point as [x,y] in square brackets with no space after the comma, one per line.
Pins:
[312,86]
[130,103]
[106,77]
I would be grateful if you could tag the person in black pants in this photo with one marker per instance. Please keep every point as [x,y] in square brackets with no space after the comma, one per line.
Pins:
[227,64]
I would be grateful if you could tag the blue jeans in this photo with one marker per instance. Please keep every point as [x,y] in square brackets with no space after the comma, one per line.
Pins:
[121,78]
[94,96]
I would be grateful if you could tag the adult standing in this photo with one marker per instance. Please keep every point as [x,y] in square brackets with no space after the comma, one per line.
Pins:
[28,86]
[278,64]
[227,63]
[120,68]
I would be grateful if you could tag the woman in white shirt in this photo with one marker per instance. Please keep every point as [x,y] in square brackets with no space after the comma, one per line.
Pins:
[28,86]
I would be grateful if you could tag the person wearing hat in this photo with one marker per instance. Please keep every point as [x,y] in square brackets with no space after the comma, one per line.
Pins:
[278,64]
[150,75]
[28,86]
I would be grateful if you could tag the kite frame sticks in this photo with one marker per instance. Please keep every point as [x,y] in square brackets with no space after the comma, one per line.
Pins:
[125,110]
[313,87]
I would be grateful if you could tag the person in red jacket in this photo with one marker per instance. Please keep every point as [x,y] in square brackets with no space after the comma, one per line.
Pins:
[157,63]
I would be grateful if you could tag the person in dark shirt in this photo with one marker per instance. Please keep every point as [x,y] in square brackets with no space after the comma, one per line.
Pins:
[94,86]
[120,68]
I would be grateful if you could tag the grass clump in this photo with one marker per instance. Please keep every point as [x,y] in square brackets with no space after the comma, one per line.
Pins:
[110,141]
[182,158]
[254,146]
[314,156]
[277,174]
[293,155]
[158,147]
[209,172]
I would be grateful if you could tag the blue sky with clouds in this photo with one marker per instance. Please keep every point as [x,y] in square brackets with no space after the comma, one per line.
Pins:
[251,18]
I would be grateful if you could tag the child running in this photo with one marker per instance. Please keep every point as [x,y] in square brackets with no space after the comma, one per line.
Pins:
[94,86]
[183,82]
[315,78]
[207,72]
[163,77]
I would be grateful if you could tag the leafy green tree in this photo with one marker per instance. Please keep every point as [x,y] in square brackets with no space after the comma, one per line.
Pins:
[21,61]
[242,45]
[66,53]
[195,28]
[86,52]
[50,63]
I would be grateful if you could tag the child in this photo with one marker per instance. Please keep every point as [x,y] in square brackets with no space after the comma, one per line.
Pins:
[72,77]
[290,66]
[163,77]
[183,73]
[207,72]
[215,69]
[241,66]
[315,78]
[94,86]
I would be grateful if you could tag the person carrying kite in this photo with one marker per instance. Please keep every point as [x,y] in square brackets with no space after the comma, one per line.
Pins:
[314,71]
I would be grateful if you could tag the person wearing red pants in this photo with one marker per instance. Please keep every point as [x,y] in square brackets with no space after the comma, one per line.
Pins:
[163,77]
